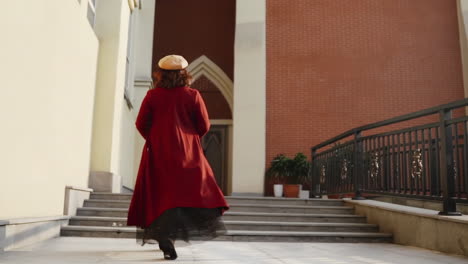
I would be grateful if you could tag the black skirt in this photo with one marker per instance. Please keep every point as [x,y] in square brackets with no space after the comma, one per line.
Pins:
[183,223]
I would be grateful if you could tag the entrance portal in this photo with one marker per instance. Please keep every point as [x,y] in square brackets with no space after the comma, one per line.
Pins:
[215,146]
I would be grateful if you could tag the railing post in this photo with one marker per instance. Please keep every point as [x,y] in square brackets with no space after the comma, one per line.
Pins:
[447,180]
[314,189]
[357,166]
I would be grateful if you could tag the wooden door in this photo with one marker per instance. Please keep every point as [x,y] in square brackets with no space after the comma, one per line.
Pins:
[214,145]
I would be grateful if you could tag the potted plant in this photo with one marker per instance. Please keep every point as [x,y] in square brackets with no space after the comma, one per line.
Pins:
[277,173]
[298,171]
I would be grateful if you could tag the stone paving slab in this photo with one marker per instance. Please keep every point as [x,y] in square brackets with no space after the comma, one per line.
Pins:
[104,250]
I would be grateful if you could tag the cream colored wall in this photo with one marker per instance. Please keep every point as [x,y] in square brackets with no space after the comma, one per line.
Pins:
[144,40]
[127,147]
[249,98]
[463,27]
[47,68]
[139,141]
[111,29]
[121,123]
[143,60]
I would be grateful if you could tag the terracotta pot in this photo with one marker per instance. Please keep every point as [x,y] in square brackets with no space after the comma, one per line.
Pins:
[291,190]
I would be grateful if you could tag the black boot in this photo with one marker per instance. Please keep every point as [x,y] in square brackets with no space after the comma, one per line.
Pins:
[170,255]
[167,246]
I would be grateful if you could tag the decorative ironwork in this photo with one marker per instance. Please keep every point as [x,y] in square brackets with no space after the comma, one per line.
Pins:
[455,169]
[397,169]
[416,164]
[422,161]
[374,166]
[344,169]
[322,174]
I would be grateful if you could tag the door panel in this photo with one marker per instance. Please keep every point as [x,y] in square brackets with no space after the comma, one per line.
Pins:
[214,145]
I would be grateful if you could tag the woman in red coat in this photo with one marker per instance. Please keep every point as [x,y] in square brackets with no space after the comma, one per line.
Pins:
[176,195]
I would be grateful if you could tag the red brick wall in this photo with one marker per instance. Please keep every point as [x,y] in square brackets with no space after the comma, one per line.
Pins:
[333,65]
[195,28]
[216,104]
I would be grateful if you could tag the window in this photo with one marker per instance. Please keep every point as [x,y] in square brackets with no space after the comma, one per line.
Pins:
[91,14]
[130,61]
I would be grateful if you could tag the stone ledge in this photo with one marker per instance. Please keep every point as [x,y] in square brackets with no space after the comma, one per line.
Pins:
[74,198]
[29,220]
[18,232]
[242,197]
[79,188]
[410,210]
[418,202]
[417,227]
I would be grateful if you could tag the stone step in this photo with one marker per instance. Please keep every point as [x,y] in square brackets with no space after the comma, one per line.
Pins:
[98,221]
[291,236]
[240,225]
[244,216]
[299,226]
[107,212]
[101,203]
[239,235]
[111,196]
[308,209]
[232,200]
[235,199]
[273,208]
[292,217]
[98,231]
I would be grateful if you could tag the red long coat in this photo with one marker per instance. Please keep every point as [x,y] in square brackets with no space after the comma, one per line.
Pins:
[173,170]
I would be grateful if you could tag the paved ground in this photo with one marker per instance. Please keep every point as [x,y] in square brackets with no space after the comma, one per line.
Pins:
[103,250]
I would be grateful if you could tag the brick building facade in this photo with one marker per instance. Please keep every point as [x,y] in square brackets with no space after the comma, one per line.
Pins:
[333,65]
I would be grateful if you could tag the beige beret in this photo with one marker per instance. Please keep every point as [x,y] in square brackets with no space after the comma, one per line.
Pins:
[173,62]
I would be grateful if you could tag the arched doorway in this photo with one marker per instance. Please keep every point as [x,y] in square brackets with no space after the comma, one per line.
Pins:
[216,89]
[205,37]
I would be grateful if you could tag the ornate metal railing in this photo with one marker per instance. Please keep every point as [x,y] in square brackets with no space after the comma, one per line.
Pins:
[428,161]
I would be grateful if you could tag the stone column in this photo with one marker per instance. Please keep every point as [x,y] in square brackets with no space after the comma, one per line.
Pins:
[143,67]
[111,27]
[249,99]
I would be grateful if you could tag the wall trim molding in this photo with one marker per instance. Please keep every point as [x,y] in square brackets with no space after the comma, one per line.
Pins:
[143,83]
[203,66]
[78,188]
[30,220]
[221,121]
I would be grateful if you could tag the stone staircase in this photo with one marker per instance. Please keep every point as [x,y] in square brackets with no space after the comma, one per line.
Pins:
[249,219]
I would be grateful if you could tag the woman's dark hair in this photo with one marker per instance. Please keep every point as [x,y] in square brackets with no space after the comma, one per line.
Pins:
[171,78]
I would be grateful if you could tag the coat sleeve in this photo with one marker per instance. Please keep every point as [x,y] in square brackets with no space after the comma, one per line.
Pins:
[143,121]
[202,120]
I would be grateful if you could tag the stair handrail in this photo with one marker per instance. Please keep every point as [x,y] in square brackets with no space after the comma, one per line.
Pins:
[445,156]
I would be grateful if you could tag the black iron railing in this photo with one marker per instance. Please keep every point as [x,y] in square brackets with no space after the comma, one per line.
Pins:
[428,161]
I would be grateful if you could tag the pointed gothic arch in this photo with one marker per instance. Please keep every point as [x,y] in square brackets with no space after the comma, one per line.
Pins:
[203,66]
